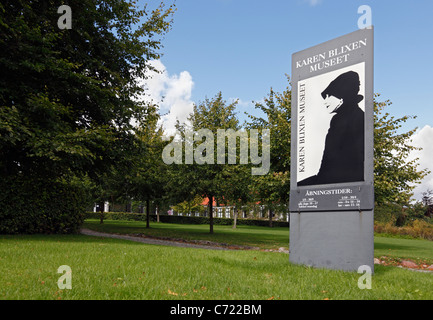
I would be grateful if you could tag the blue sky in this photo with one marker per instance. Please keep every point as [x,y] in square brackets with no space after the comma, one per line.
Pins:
[244,47]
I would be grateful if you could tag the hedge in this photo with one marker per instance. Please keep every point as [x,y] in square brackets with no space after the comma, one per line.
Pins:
[36,205]
[184,219]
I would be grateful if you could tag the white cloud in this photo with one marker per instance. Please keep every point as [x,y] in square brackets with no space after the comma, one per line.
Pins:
[423,139]
[172,93]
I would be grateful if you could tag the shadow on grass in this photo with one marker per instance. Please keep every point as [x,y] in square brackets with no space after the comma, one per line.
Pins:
[389,246]
[64,238]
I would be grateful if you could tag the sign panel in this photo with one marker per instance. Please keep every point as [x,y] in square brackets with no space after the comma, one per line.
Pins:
[332,125]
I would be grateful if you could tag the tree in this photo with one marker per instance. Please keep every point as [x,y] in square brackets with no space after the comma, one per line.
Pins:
[273,189]
[149,177]
[394,175]
[206,177]
[269,191]
[67,97]
[236,186]
[190,206]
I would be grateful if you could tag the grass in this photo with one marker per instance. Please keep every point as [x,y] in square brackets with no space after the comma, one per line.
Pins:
[117,269]
[261,237]
[400,248]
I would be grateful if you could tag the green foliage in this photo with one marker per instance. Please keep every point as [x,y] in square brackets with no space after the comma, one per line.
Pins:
[190,206]
[394,176]
[32,205]
[212,114]
[277,109]
[123,216]
[68,97]
[389,212]
[399,215]
[208,179]
[150,174]
[417,228]
[273,189]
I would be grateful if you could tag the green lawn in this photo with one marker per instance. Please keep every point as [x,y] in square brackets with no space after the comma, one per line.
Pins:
[119,269]
[413,249]
[262,237]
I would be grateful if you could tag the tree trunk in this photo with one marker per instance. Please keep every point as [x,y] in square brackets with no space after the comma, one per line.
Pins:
[147,213]
[270,218]
[210,214]
[157,214]
[101,216]
[235,216]
[128,207]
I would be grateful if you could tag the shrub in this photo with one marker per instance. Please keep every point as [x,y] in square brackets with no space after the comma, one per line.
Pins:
[41,206]
[399,215]
[389,212]
[416,229]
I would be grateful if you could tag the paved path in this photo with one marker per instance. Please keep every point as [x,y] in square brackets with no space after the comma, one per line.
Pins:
[152,241]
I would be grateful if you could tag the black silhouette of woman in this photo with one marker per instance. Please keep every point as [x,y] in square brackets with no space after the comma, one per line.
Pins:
[343,156]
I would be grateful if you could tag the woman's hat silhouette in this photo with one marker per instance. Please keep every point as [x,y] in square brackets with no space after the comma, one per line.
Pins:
[345,86]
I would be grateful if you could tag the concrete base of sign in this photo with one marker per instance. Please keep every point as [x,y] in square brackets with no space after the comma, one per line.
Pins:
[340,240]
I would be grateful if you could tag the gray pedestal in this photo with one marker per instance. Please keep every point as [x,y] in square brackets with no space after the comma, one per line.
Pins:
[341,240]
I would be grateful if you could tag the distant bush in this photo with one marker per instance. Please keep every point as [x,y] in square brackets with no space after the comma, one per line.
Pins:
[398,215]
[389,213]
[417,229]
[184,219]
[41,206]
